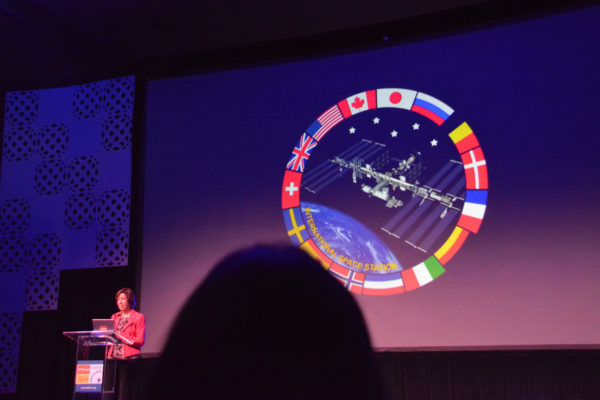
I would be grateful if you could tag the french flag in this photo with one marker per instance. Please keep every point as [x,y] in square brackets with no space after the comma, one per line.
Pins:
[432,108]
[473,210]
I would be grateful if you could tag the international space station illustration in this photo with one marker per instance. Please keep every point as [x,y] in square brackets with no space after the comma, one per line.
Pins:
[427,209]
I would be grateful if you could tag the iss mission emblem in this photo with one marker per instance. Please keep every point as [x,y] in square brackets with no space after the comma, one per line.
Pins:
[383,188]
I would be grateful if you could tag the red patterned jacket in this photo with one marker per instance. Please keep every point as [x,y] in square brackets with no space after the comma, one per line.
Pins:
[133,333]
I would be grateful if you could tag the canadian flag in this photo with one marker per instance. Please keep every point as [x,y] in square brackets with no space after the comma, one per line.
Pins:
[358,103]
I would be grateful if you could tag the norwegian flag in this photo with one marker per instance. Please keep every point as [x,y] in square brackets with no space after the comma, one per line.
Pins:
[475,169]
[353,281]
[301,153]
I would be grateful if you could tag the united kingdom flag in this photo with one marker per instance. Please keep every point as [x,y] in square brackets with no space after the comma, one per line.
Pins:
[301,153]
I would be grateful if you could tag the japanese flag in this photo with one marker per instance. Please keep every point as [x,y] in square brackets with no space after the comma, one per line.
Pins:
[395,98]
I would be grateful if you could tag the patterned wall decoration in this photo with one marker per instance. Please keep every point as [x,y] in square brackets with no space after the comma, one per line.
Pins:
[65,196]
[10,336]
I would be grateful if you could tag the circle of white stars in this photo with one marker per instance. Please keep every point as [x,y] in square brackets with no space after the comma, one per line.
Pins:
[394,133]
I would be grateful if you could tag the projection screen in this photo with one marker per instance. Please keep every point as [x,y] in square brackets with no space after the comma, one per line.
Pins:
[450,184]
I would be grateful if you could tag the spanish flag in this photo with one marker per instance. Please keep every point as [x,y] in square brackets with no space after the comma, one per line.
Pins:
[311,248]
[452,245]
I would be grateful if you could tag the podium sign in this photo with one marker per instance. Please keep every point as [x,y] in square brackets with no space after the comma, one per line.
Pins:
[94,373]
[89,376]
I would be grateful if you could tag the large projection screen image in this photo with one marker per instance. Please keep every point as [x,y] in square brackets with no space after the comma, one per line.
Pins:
[450,184]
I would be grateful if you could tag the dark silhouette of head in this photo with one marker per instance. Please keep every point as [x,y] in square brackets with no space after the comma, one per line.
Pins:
[268,323]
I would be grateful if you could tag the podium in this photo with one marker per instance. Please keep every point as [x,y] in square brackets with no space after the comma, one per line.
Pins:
[94,373]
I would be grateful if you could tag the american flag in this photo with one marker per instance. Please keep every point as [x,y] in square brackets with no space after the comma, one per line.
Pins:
[325,122]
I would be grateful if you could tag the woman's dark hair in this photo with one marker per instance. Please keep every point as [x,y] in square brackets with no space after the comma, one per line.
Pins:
[129,294]
[268,323]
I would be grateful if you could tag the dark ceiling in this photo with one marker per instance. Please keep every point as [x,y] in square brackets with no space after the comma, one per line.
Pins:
[48,43]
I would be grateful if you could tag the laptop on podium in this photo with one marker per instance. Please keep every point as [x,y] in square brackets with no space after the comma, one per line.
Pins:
[103,324]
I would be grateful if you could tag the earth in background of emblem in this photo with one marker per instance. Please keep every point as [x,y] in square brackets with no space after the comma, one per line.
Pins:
[350,238]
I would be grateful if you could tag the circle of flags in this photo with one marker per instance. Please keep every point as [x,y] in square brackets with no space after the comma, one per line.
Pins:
[470,219]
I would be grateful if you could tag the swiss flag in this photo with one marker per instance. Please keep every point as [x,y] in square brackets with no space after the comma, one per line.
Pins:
[290,192]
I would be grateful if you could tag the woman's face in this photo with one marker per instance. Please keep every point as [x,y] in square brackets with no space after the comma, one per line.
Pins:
[122,303]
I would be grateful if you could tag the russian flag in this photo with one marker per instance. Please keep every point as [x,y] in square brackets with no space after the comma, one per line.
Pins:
[431,108]
[422,274]
[473,210]
[384,284]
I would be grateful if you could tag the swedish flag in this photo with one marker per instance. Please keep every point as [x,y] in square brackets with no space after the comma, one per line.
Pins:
[296,229]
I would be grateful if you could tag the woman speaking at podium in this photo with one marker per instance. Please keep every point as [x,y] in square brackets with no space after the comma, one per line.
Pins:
[130,328]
